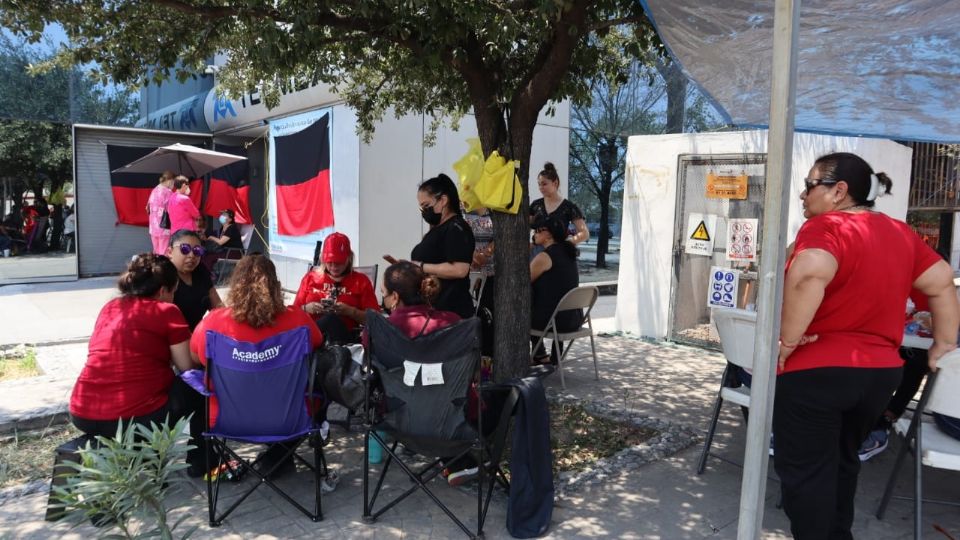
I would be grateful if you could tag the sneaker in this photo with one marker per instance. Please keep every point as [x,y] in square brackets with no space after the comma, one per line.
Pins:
[329,483]
[462,476]
[875,443]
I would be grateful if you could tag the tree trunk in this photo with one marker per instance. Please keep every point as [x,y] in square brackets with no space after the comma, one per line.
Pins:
[676,98]
[608,162]
[511,257]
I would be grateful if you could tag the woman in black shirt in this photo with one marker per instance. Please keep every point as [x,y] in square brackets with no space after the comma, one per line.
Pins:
[446,251]
[553,205]
[553,273]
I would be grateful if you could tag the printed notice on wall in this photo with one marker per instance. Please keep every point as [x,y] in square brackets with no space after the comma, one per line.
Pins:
[726,185]
[722,292]
[699,238]
[742,239]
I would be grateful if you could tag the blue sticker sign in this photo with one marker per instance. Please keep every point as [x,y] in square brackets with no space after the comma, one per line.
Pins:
[722,292]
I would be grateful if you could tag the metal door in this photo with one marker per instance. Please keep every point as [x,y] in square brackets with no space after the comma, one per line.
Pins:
[690,320]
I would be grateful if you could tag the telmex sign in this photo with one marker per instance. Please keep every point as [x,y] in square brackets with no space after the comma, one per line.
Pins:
[207,112]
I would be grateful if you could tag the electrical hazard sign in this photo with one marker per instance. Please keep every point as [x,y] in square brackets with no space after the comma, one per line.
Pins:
[700,234]
[742,239]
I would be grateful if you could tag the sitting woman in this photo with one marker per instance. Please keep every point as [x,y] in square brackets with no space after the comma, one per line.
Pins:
[128,377]
[255,312]
[195,294]
[553,273]
[334,294]
[226,238]
[408,294]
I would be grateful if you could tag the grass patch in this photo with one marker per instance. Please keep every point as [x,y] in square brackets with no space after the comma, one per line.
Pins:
[18,363]
[28,455]
[579,438]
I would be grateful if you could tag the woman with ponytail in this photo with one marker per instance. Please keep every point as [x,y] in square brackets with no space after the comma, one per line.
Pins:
[408,296]
[844,294]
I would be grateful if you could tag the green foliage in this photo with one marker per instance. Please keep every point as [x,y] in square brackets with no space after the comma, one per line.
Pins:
[123,483]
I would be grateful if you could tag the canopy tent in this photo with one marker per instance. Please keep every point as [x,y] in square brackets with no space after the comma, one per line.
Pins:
[888,70]
[834,66]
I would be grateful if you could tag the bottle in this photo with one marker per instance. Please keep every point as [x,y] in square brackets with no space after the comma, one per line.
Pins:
[912,328]
[374,451]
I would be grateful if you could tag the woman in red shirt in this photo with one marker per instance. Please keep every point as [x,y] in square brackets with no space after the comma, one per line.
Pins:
[842,322]
[128,375]
[334,294]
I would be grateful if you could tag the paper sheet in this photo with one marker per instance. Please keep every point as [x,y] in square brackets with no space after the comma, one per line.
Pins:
[432,374]
[410,370]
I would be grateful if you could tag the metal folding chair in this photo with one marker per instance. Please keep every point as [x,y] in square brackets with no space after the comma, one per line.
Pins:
[581,298]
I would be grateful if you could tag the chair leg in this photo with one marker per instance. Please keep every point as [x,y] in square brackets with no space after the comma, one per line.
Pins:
[888,491]
[593,348]
[918,482]
[710,432]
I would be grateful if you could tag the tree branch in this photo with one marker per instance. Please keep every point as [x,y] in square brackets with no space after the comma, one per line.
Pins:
[600,25]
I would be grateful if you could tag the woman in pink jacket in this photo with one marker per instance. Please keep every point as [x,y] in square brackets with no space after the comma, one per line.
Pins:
[156,204]
[183,213]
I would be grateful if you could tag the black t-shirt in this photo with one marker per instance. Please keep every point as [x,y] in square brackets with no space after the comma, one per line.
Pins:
[233,233]
[194,300]
[451,241]
[550,287]
[568,212]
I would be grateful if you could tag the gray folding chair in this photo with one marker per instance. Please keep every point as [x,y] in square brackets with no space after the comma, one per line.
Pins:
[478,280]
[583,297]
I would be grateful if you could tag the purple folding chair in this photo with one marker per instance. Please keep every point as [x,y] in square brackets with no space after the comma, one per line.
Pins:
[262,390]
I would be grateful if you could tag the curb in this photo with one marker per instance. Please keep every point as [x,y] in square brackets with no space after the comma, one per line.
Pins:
[34,422]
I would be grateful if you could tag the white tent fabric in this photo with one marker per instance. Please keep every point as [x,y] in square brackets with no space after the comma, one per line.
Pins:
[887,68]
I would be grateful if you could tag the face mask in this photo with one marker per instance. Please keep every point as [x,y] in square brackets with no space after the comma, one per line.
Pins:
[383,306]
[223,220]
[430,216]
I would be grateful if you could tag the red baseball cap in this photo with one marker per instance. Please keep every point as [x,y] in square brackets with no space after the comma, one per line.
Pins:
[336,249]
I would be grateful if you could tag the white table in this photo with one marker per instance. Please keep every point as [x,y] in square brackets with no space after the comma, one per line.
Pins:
[917,342]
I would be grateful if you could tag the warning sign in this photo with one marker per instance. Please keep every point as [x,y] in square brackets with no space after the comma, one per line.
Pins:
[700,234]
[722,291]
[726,185]
[742,239]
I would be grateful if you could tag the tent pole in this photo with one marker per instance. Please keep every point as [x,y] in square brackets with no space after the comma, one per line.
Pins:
[775,211]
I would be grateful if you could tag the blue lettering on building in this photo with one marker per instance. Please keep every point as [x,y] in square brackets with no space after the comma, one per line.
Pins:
[221,106]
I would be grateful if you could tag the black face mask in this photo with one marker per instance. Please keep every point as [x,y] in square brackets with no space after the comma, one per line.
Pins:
[383,306]
[431,216]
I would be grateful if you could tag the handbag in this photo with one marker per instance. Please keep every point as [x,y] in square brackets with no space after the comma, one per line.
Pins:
[499,188]
[469,168]
[340,377]
[165,220]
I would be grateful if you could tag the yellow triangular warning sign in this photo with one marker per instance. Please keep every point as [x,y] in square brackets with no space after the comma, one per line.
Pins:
[701,232]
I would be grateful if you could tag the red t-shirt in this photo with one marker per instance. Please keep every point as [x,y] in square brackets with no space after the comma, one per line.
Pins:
[221,321]
[860,321]
[128,371]
[355,291]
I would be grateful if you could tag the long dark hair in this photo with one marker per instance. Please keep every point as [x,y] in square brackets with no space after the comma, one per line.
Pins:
[411,284]
[856,172]
[146,274]
[443,185]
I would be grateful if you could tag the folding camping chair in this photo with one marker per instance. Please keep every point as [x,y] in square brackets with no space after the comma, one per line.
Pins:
[931,447]
[261,390]
[581,298]
[226,264]
[425,381]
[737,328]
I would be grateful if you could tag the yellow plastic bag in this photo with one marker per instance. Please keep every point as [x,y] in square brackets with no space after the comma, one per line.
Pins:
[469,168]
[499,188]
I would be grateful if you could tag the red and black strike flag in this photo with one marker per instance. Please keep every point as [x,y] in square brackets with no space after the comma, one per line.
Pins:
[130,190]
[304,200]
[230,188]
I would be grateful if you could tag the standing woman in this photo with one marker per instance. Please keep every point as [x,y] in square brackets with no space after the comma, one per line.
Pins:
[481,224]
[553,205]
[156,204]
[446,251]
[842,323]
[183,213]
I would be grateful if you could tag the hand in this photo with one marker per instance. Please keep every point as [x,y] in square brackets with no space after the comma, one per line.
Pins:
[390,259]
[787,349]
[937,350]
[312,308]
[479,259]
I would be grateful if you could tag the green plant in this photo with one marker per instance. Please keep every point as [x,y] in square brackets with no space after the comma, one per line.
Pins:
[122,484]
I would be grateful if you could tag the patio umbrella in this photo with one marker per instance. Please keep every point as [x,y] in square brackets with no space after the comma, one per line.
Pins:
[181,158]
[852,80]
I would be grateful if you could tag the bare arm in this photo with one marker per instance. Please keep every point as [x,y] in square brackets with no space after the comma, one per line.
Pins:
[182,357]
[582,234]
[540,264]
[937,283]
[810,273]
[454,270]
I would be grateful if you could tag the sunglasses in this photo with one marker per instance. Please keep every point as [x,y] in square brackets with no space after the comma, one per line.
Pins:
[186,249]
[810,184]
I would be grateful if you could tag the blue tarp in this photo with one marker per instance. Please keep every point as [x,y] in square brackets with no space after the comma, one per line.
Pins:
[881,69]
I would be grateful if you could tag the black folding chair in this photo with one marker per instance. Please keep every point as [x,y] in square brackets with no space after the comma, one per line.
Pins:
[425,383]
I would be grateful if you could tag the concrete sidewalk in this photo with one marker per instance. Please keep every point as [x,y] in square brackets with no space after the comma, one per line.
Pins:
[662,499]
